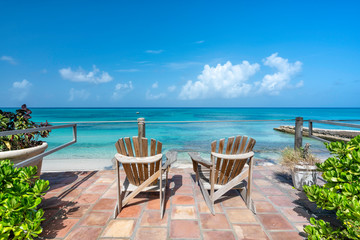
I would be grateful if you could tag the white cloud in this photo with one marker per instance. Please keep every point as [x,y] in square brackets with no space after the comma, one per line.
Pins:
[78,94]
[94,76]
[8,59]
[227,81]
[21,89]
[154,51]
[23,84]
[128,70]
[155,85]
[151,96]
[171,88]
[274,83]
[199,42]
[121,89]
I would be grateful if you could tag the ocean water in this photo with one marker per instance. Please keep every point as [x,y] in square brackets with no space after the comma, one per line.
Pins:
[95,147]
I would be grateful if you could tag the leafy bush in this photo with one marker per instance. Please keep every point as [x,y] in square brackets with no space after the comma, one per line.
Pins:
[17,121]
[341,193]
[19,197]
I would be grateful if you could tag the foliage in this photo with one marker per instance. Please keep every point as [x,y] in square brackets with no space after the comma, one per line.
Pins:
[19,197]
[302,156]
[341,193]
[17,121]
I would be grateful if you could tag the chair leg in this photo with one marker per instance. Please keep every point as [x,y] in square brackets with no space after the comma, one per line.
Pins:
[118,206]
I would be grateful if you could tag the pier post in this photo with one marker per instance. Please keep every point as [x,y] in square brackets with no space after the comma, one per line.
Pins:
[141,132]
[298,132]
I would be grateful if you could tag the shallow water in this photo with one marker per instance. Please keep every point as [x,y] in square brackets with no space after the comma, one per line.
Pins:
[95,146]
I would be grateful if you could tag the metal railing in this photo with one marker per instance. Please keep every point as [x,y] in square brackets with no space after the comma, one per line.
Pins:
[30,130]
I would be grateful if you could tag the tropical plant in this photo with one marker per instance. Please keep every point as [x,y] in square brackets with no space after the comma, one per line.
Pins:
[341,193]
[17,121]
[19,197]
[301,156]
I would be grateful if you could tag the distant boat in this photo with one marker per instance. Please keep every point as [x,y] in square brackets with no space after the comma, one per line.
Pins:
[137,112]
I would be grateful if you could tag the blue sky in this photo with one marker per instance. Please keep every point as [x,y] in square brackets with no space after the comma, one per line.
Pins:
[180,53]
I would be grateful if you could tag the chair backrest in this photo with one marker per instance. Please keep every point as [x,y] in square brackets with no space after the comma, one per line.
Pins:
[137,173]
[225,169]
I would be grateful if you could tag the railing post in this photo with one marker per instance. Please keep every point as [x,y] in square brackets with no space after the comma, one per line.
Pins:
[298,132]
[310,128]
[141,132]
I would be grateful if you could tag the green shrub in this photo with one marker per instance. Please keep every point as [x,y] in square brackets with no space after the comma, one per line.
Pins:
[341,193]
[19,197]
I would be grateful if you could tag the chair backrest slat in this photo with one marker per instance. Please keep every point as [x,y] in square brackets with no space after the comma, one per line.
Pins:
[226,169]
[218,161]
[225,161]
[137,173]
[234,150]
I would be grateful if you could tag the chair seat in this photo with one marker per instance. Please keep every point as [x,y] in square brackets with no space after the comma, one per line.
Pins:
[150,188]
[204,174]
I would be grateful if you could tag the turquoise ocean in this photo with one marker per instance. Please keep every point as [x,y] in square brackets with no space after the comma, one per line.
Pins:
[95,147]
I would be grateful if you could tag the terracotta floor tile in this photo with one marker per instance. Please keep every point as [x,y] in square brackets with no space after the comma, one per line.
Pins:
[262,182]
[216,235]
[263,206]
[218,221]
[96,219]
[58,228]
[70,194]
[105,180]
[76,211]
[232,201]
[119,228]
[255,195]
[203,208]
[297,214]
[97,189]
[105,204]
[240,215]
[111,193]
[153,218]
[130,211]
[274,222]
[154,204]
[271,191]
[183,200]
[177,228]
[88,198]
[185,189]
[183,212]
[151,233]
[285,236]
[80,233]
[282,201]
[249,232]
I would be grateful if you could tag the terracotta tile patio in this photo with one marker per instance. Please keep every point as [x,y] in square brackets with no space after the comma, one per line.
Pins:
[79,205]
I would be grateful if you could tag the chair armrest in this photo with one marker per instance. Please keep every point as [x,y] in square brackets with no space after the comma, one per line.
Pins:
[198,159]
[171,157]
[233,156]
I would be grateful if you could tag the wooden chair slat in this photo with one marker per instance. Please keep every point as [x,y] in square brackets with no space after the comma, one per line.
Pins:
[152,153]
[129,147]
[236,163]
[229,168]
[225,161]
[145,154]
[159,147]
[120,146]
[218,161]
[243,144]
[136,146]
